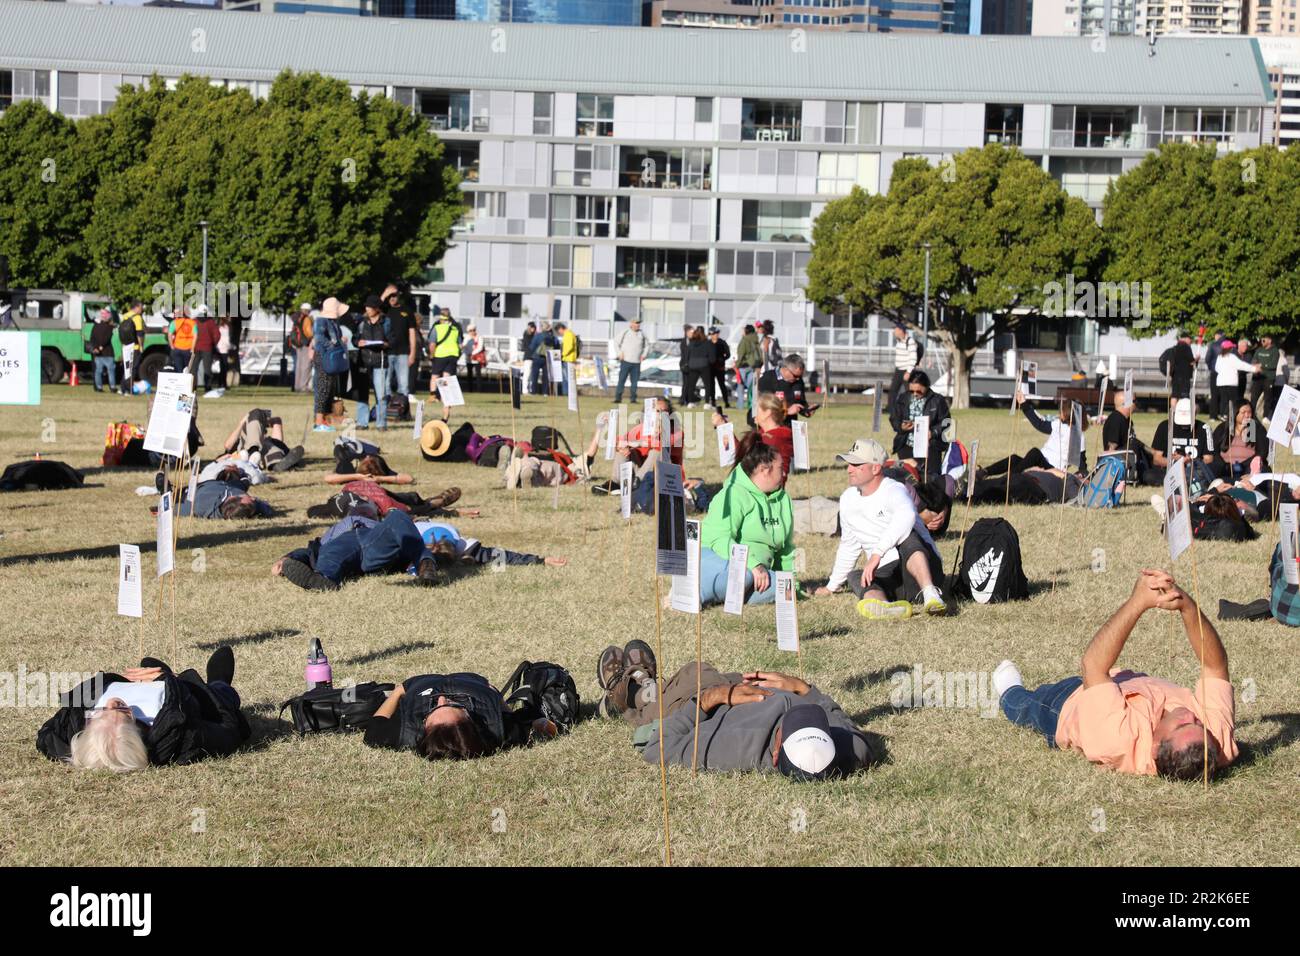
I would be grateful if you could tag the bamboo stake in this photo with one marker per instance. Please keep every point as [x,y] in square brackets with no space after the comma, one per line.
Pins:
[1006,502]
[659,681]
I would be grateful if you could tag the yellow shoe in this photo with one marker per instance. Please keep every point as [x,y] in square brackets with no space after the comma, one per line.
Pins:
[875,609]
[935,604]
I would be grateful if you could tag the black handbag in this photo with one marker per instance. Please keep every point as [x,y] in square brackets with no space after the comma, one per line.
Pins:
[326,709]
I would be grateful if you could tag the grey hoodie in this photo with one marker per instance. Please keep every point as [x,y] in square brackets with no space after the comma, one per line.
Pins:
[740,737]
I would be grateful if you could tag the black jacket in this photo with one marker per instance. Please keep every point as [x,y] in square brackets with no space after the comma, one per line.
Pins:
[101,339]
[700,356]
[936,406]
[721,352]
[793,392]
[191,725]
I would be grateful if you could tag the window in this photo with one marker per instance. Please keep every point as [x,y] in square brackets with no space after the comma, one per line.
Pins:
[595,115]
[1096,127]
[581,216]
[646,168]
[775,221]
[838,173]
[571,267]
[462,157]
[662,268]
[661,312]
[505,305]
[771,120]
[444,109]
[913,115]
[481,205]
[586,160]
[850,123]
[1004,124]
[703,109]
[541,114]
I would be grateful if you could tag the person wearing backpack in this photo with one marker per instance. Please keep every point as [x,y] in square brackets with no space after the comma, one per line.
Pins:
[749,360]
[373,340]
[458,717]
[329,356]
[879,519]
[1127,721]
[300,336]
[130,332]
[148,715]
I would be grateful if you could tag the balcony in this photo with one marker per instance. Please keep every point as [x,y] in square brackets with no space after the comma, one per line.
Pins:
[679,269]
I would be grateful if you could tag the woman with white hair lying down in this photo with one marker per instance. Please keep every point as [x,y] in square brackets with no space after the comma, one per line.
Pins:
[147,715]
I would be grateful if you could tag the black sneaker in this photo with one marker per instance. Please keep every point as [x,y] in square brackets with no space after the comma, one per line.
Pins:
[291,460]
[300,574]
[221,665]
[637,656]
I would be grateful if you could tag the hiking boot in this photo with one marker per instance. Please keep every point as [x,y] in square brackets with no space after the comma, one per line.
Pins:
[637,656]
[610,667]
[221,665]
[300,574]
[874,609]
[428,575]
[445,499]
[291,460]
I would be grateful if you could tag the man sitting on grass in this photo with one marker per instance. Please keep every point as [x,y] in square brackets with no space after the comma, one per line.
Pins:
[1128,721]
[879,518]
[355,547]
[757,721]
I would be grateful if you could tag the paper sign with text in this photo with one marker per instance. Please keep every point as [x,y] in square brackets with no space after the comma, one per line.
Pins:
[130,600]
[736,568]
[787,617]
[684,595]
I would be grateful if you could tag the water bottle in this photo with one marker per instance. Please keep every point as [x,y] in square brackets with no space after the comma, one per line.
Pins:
[318,672]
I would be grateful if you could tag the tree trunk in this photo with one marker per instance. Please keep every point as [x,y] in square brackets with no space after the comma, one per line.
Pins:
[960,364]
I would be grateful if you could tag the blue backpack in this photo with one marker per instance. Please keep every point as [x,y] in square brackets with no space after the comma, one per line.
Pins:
[1101,488]
[329,342]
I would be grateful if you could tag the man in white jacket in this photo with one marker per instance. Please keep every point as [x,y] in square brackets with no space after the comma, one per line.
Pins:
[878,518]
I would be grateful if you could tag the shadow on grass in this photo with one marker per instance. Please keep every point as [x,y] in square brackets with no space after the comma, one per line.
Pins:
[389,652]
[1045,587]
[863,681]
[266,726]
[248,532]
[833,630]
[1287,733]
[261,637]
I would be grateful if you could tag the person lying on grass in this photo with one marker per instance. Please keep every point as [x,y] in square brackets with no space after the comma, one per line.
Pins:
[364,489]
[1216,516]
[451,717]
[1261,495]
[224,497]
[449,548]
[259,438]
[1125,720]
[148,715]
[353,458]
[756,721]
[878,518]
[358,546]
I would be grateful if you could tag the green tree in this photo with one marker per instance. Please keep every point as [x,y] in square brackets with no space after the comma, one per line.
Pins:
[47,189]
[1000,230]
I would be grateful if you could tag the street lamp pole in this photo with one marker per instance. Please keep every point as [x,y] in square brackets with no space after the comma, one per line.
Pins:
[925,308]
[203,224]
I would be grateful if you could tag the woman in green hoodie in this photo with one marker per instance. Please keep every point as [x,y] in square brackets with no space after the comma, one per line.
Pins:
[751,509]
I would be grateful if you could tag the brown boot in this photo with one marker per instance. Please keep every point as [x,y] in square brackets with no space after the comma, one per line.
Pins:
[445,499]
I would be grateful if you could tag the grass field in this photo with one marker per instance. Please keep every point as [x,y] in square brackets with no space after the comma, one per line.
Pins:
[958,788]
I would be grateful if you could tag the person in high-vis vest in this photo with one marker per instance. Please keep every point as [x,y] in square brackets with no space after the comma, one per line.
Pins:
[131,335]
[181,334]
[569,350]
[444,345]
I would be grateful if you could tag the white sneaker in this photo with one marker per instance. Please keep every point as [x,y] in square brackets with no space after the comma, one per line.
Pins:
[932,601]
[1005,676]
[1158,503]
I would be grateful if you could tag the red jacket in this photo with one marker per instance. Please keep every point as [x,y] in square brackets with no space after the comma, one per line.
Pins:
[782,439]
[374,493]
[205,338]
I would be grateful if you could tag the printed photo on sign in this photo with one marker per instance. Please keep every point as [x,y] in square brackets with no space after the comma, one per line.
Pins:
[449,392]
[649,418]
[787,618]
[1029,378]
[921,437]
[685,591]
[736,570]
[670,557]
[165,557]
[1286,416]
[602,382]
[1128,387]
[726,445]
[611,433]
[169,419]
[1287,520]
[130,602]
[799,432]
[555,366]
[417,424]
[625,488]
[1178,521]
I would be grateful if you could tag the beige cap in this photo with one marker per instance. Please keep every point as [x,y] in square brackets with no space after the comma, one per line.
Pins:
[865,451]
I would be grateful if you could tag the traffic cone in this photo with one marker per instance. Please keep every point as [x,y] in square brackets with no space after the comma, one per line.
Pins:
[72,378]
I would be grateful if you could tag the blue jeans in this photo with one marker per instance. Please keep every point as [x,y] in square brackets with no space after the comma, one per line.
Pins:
[746,382]
[713,581]
[179,359]
[105,363]
[399,375]
[1039,709]
[379,379]
[627,370]
[540,380]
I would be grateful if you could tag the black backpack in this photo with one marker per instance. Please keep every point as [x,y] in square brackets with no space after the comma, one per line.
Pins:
[989,570]
[336,708]
[399,407]
[542,690]
[126,332]
[546,438]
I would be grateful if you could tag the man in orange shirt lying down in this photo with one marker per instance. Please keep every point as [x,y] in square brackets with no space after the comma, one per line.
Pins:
[1128,721]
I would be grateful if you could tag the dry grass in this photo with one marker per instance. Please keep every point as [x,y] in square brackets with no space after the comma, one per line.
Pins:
[958,788]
